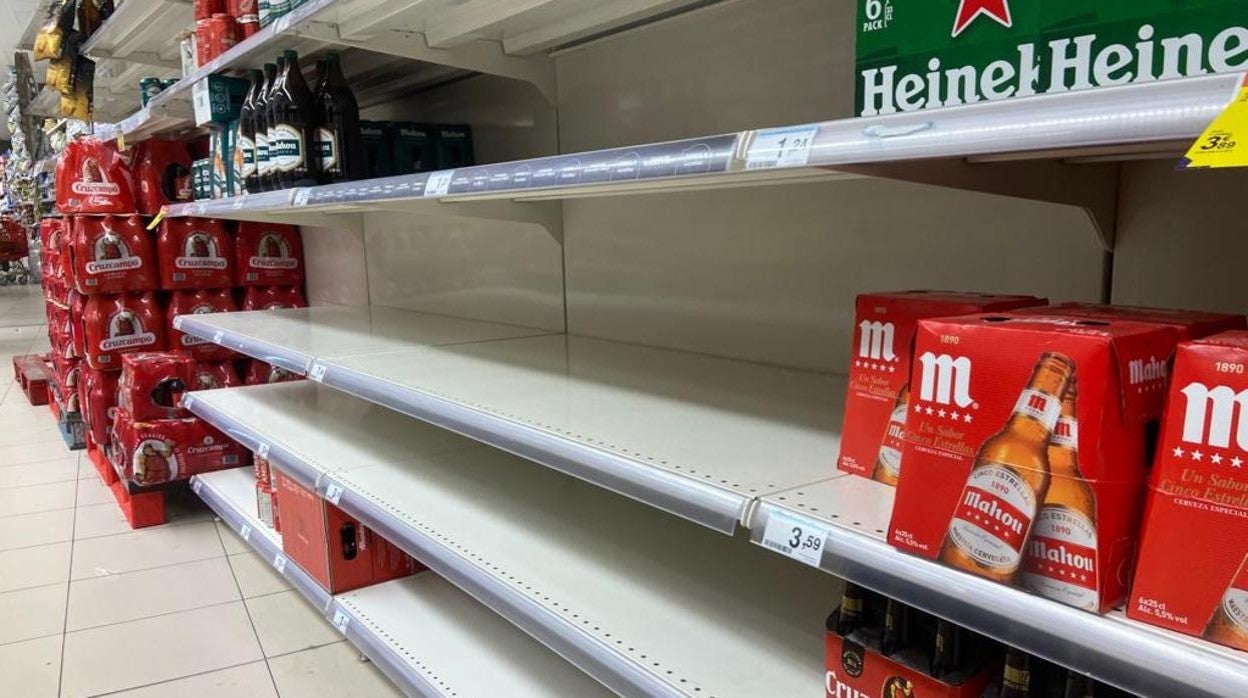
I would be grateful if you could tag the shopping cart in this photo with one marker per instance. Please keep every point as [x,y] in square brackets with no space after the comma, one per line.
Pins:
[14,251]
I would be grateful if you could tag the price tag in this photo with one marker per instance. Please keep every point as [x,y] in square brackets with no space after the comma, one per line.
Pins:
[301,196]
[279,563]
[439,183]
[217,336]
[341,620]
[795,536]
[160,216]
[333,493]
[262,450]
[121,142]
[239,202]
[245,532]
[317,372]
[780,147]
[197,485]
[1225,142]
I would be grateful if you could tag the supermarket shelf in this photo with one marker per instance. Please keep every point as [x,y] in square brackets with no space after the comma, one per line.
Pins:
[144,33]
[430,638]
[853,513]
[167,117]
[644,603]
[646,423]
[38,15]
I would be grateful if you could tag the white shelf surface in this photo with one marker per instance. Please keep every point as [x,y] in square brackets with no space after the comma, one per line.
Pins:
[1141,658]
[429,637]
[643,602]
[646,423]
[144,33]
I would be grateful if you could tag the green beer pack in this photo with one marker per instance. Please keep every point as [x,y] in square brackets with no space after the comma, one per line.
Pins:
[923,54]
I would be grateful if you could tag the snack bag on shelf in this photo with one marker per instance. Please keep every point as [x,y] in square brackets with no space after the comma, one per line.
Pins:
[261,373]
[1192,574]
[165,450]
[99,403]
[879,377]
[194,253]
[273,298]
[1025,449]
[120,324]
[268,254]
[50,40]
[112,254]
[163,173]
[153,382]
[92,177]
[213,375]
[197,303]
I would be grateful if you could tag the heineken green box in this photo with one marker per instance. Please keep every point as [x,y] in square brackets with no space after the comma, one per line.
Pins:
[218,99]
[922,54]
[454,146]
[414,147]
[378,160]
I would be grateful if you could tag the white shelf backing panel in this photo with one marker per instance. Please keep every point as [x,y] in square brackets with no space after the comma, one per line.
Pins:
[697,436]
[1143,659]
[643,602]
[424,632]
[143,33]
[292,339]
[167,117]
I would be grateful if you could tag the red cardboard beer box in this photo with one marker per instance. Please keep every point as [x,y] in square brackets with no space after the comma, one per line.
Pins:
[153,382]
[164,450]
[273,298]
[262,373]
[875,405]
[99,402]
[112,254]
[1190,324]
[1186,581]
[213,375]
[336,550]
[1024,459]
[120,324]
[194,253]
[268,254]
[199,302]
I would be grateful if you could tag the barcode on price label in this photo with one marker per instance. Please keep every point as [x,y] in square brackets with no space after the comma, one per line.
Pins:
[317,373]
[439,183]
[279,563]
[795,536]
[780,147]
[245,532]
[341,620]
[301,196]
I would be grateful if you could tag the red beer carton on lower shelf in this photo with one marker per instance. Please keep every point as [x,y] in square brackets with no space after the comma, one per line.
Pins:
[153,382]
[879,377]
[262,373]
[121,324]
[164,450]
[213,375]
[268,254]
[854,669]
[336,550]
[1025,453]
[273,298]
[1192,574]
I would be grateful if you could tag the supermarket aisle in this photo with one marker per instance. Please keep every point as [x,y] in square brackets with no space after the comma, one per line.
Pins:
[92,608]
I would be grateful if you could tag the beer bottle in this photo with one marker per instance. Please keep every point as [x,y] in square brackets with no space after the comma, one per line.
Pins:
[1008,481]
[1077,685]
[896,627]
[293,123]
[264,127]
[1016,682]
[247,132]
[338,144]
[888,462]
[946,649]
[1229,623]
[1061,556]
[853,610]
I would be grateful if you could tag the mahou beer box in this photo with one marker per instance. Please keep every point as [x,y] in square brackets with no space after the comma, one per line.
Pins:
[1190,324]
[875,406]
[1024,458]
[1192,575]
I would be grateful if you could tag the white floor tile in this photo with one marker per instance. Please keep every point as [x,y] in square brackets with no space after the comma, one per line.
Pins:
[40,528]
[246,681]
[29,567]
[42,432]
[256,577]
[94,492]
[286,623]
[142,652]
[144,549]
[29,500]
[333,670]
[63,469]
[36,452]
[233,544]
[95,520]
[31,669]
[133,595]
[32,613]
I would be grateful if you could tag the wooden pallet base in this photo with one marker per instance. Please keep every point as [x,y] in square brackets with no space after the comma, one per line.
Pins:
[142,508]
[31,373]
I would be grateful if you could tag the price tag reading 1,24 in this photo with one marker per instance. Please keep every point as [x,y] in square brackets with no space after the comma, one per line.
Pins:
[795,536]
[781,147]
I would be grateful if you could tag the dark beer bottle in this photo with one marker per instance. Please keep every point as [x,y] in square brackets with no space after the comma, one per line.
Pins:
[853,610]
[264,112]
[247,132]
[339,147]
[1016,682]
[946,649]
[1077,685]
[896,627]
[293,123]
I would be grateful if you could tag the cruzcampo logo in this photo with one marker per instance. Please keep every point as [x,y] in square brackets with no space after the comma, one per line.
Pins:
[923,54]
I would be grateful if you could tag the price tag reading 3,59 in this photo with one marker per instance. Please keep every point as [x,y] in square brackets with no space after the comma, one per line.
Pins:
[781,147]
[795,536]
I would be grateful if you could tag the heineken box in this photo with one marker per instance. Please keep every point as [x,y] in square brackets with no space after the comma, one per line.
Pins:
[922,54]
[221,155]
[454,146]
[414,148]
[218,98]
[375,136]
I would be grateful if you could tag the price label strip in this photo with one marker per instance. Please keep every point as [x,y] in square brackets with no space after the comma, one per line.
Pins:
[1225,142]
[795,536]
[317,373]
[262,450]
[279,563]
[439,183]
[333,493]
[341,620]
[245,532]
[781,147]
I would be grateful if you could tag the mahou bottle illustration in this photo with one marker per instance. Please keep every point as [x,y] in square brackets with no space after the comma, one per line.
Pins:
[1061,555]
[888,462]
[1229,624]
[1009,480]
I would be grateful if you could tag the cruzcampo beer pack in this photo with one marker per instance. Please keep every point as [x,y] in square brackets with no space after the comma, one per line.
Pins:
[923,54]
[875,406]
[1025,449]
[1192,574]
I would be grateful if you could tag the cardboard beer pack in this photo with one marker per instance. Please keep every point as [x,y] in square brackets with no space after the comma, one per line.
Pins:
[163,450]
[194,253]
[1025,449]
[1190,324]
[884,326]
[153,382]
[198,302]
[1192,576]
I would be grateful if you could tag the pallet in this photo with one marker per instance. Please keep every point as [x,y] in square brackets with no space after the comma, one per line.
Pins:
[32,374]
[142,507]
[70,425]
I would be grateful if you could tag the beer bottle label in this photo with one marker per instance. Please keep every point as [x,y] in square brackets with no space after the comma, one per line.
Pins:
[994,516]
[327,149]
[1040,406]
[263,12]
[1066,434]
[277,8]
[894,434]
[289,146]
[1235,601]
[247,147]
[1061,558]
[262,153]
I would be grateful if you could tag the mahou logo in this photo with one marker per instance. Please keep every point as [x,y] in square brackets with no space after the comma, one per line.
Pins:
[272,252]
[875,340]
[112,254]
[199,251]
[1211,414]
[945,379]
[125,331]
[1142,371]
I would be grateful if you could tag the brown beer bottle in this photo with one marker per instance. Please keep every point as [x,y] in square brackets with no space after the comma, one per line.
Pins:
[1077,685]
[1229,623]
[1009,480]
[888,462]
[946,649]
[1061,555]
[896,627]
[853,610]
[1016,681]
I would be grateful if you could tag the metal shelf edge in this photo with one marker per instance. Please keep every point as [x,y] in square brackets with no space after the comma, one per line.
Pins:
[253,441]
[380,652]
[283,358]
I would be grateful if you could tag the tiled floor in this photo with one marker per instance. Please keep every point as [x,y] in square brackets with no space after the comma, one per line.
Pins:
[90,607]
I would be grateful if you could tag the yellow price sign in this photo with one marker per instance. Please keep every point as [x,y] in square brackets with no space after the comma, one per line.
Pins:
[1225,142]
[160,216]
[121,142]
